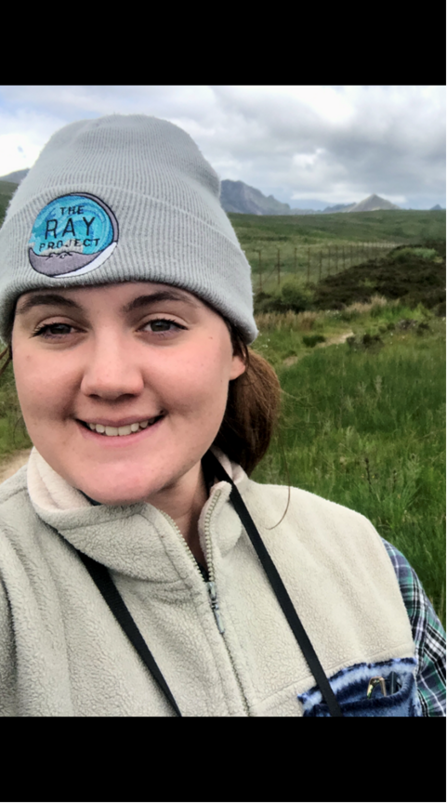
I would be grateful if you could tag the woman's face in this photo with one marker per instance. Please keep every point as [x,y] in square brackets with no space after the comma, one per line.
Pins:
[123,387]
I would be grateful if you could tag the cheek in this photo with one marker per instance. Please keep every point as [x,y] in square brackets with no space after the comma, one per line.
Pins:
[41,389]
[26,378]
[200,383]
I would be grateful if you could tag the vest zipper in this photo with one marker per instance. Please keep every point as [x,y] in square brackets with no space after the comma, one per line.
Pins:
[211,585]
[215,606]
[213,595]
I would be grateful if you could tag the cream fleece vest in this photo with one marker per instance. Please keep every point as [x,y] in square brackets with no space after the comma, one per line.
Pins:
[62,653]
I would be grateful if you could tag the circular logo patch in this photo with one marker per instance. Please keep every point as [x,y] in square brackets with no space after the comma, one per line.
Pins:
[73,234]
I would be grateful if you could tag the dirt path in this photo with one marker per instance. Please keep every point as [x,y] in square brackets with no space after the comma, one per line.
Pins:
[11,463]
[334,341]
[331,341]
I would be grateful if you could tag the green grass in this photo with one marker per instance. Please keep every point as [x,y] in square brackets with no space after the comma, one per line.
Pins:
[392,225]
[365,427]
[7,190]
[13,434]
[314,246]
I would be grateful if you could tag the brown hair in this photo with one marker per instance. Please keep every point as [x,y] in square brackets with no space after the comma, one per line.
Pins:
[252,411]
[6,353]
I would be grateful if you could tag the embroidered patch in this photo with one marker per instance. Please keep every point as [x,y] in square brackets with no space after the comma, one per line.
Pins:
[361,694]
[73,234]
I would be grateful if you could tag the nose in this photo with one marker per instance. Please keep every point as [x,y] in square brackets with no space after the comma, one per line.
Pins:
[112,371]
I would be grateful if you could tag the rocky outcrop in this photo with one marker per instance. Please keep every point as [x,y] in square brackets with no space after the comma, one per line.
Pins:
[235,196]
[371,204]
[15,177]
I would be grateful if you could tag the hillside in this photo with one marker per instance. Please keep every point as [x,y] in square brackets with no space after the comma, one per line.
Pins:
[399,225]
[16,176]
[414,275]
[235,196]
[373,203]
[7,190]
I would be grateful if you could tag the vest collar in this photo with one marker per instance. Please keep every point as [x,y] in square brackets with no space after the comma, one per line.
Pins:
[137,540]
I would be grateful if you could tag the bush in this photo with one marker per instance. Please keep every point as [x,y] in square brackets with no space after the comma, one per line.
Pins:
[312,340]
[292,296]
[404,254]
[366,342]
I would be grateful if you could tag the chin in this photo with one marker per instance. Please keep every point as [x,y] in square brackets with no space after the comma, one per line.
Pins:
[113,493]
[124,496]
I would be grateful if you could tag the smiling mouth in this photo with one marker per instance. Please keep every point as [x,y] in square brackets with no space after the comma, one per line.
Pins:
[129,429]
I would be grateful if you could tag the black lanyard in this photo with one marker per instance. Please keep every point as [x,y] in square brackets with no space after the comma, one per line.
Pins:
[104,582]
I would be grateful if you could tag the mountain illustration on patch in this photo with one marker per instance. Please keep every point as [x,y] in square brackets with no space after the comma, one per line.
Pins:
[74,234]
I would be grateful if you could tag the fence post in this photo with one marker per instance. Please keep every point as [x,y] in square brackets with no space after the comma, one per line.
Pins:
[260,271]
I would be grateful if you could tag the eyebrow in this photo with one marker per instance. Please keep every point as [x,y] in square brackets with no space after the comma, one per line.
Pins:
[52,299]
[45,299]
[161,295]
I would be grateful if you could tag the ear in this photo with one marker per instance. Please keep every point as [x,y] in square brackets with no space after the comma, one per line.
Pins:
[237,367]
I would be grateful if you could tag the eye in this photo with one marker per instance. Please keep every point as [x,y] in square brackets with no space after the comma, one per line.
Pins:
[163,326]
[53,330]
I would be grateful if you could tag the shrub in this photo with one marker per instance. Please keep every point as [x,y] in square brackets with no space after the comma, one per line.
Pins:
[293,295]
[312,340]
[366,342]
[404,254]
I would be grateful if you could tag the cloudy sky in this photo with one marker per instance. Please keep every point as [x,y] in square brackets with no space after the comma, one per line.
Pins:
[308,146]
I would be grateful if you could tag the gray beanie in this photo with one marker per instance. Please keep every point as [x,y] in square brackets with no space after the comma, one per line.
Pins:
[117,199]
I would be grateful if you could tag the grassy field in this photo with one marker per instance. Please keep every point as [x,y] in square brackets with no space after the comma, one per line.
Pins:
[396,225]
[315,246]
[363,422]
[13,434]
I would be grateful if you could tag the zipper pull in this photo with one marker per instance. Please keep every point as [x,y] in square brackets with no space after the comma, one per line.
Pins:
[215,606]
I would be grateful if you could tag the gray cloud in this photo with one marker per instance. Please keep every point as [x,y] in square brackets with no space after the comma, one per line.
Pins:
[333,143]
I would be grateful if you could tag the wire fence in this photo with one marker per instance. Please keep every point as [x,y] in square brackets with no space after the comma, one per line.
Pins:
[309,263]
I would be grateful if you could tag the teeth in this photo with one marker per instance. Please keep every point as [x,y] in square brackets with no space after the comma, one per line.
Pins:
[127,430]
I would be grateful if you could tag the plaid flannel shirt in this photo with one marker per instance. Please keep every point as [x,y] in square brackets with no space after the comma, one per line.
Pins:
[428,635]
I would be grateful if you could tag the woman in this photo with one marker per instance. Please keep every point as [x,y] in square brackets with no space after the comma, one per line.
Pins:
[139,562]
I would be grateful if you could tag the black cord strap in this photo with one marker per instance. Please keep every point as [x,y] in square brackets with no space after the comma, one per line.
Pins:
[101,577]
[281,593]
[106,586]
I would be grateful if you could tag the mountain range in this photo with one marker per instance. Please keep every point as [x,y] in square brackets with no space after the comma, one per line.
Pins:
[235,196]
